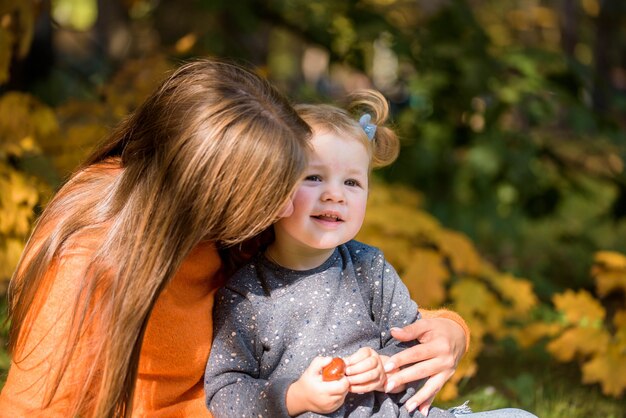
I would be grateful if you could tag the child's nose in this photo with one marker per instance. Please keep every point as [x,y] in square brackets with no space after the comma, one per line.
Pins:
[333,193]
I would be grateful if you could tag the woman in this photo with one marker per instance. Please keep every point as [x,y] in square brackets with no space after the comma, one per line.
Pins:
[110,305]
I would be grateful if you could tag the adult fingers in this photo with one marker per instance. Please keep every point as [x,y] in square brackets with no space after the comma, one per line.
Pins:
[424,397]
[425,406]
[411,332]
[417,371]
[411,355]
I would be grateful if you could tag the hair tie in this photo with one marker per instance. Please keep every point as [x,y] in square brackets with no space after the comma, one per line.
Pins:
[369,128]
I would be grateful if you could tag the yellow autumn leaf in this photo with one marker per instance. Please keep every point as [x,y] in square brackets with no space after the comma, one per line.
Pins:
[462,253]
[23,193]
[395,210]
[45,123]
[479,306]
[579,306]
[495,320]
[29,145]
[610,260]
[579,340]
[619,319]
[608,369]
[487,269]
[608,281]
[472,296]
[518,292]
[17,200]
[425,277]
[528,335]
[22,116]
[609,272]
[397,249]
[10,252]
[476,325]
[400,193]
[397,219]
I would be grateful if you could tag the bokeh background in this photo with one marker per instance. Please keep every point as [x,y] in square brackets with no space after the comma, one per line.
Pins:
[507,204]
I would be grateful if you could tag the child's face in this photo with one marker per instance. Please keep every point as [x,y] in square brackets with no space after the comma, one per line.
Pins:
[329,205]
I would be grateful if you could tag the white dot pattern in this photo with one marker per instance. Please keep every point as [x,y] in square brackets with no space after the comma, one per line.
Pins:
[270,322]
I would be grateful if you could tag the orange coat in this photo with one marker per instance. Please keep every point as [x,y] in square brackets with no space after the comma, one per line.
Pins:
[173,356]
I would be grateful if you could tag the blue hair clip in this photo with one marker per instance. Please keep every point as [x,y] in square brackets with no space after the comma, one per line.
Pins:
[369,128]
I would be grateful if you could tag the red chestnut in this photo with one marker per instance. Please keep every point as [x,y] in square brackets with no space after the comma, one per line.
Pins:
[335,370]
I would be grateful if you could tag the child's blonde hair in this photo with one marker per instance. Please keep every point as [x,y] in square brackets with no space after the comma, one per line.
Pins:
[211,155]
[383,147]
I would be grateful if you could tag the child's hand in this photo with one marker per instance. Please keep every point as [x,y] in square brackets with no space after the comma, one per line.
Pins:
[311,394]
[365,371]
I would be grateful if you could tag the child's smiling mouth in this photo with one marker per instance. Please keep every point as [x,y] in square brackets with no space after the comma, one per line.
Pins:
[328,217]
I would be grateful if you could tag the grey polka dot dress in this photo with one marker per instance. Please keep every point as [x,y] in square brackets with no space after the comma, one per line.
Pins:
[270,322]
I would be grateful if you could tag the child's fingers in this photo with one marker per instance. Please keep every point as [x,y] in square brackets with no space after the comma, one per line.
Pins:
[318,363]
[367,377]
[364,365]
[335,387]
[363,386]
[338,387]
[360,355]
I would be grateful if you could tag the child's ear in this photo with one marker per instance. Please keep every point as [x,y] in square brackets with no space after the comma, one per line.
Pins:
[286,210]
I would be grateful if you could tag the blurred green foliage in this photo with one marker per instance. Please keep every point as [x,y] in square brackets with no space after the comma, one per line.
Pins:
[512,113]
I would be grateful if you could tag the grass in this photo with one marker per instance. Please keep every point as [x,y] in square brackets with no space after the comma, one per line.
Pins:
[535,382]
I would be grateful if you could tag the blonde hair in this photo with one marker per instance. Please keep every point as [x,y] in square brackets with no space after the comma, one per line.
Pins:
[383,148]
[211,155]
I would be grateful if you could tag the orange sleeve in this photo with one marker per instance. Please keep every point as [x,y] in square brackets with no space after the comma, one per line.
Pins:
[447,314]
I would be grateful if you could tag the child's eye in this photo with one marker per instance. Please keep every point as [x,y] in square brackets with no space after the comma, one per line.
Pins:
[352,183]
[313,177]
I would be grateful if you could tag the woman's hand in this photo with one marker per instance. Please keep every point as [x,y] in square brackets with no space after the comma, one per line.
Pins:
[312,394]
[365,371]
[442,344]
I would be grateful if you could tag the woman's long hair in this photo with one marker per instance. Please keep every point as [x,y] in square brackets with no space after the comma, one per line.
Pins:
[211,155]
